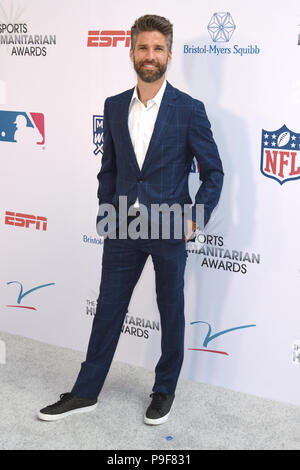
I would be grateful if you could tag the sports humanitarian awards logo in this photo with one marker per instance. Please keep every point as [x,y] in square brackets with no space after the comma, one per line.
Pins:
[280,155]
[213,254]
[98,134]
[23,293]
[132,325]
[16,35]
[22,127]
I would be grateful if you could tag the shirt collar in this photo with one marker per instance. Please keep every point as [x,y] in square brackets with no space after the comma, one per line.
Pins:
[157,98]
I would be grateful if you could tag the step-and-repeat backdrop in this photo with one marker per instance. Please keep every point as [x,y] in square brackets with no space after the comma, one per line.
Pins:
[59,60]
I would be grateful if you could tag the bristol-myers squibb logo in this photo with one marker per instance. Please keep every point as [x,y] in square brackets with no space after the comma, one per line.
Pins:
[221,28]
[280,154]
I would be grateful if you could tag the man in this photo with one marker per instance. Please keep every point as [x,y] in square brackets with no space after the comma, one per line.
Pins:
[151,134]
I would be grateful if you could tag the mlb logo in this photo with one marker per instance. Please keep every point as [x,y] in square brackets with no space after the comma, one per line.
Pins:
[280,155]
[22,128]
[195,168]
[98,134]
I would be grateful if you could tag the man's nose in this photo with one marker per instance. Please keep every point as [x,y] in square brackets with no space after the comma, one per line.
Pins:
[150,54]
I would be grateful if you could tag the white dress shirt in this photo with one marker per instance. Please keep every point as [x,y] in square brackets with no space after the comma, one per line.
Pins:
[141,121]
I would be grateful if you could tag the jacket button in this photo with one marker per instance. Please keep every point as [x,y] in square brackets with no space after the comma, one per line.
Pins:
[139,180]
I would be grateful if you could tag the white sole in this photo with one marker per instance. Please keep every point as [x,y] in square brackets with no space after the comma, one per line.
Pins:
[155,422]
[86,409]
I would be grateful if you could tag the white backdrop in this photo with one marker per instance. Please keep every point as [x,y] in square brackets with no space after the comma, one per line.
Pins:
[245,276]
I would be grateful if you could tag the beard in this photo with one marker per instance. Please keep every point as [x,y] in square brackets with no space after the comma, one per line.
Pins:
[149,75]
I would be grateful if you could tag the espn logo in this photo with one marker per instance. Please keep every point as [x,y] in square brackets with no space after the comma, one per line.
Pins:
[108,38]
[25,220]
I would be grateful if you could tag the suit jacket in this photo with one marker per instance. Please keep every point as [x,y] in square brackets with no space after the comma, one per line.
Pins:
[181,132]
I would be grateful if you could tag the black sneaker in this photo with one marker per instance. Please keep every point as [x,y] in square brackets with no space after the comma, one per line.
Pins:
[67,405]
[159,409]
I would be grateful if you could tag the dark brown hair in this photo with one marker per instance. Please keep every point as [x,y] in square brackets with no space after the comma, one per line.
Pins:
[152,23]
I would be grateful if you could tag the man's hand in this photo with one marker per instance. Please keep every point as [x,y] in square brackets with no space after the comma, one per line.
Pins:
[191,225]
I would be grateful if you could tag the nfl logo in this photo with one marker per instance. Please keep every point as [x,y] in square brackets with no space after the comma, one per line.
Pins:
[280,154]
[98,134]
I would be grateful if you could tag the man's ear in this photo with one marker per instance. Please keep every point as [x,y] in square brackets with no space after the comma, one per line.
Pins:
[131,54]
[169,57]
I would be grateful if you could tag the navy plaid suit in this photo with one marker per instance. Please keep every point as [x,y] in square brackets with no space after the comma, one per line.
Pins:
[181,132]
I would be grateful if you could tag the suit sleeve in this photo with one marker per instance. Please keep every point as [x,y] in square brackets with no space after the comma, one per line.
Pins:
[205,150]
[107,175]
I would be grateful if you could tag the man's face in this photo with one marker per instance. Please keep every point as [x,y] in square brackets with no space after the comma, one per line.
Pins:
[150,56]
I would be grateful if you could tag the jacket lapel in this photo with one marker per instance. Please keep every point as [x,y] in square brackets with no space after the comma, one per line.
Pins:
[163,117]
[124,111]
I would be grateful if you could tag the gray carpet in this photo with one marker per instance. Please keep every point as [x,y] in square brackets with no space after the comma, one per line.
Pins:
[203,416]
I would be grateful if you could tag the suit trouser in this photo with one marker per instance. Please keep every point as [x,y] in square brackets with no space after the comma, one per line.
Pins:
[122,264]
